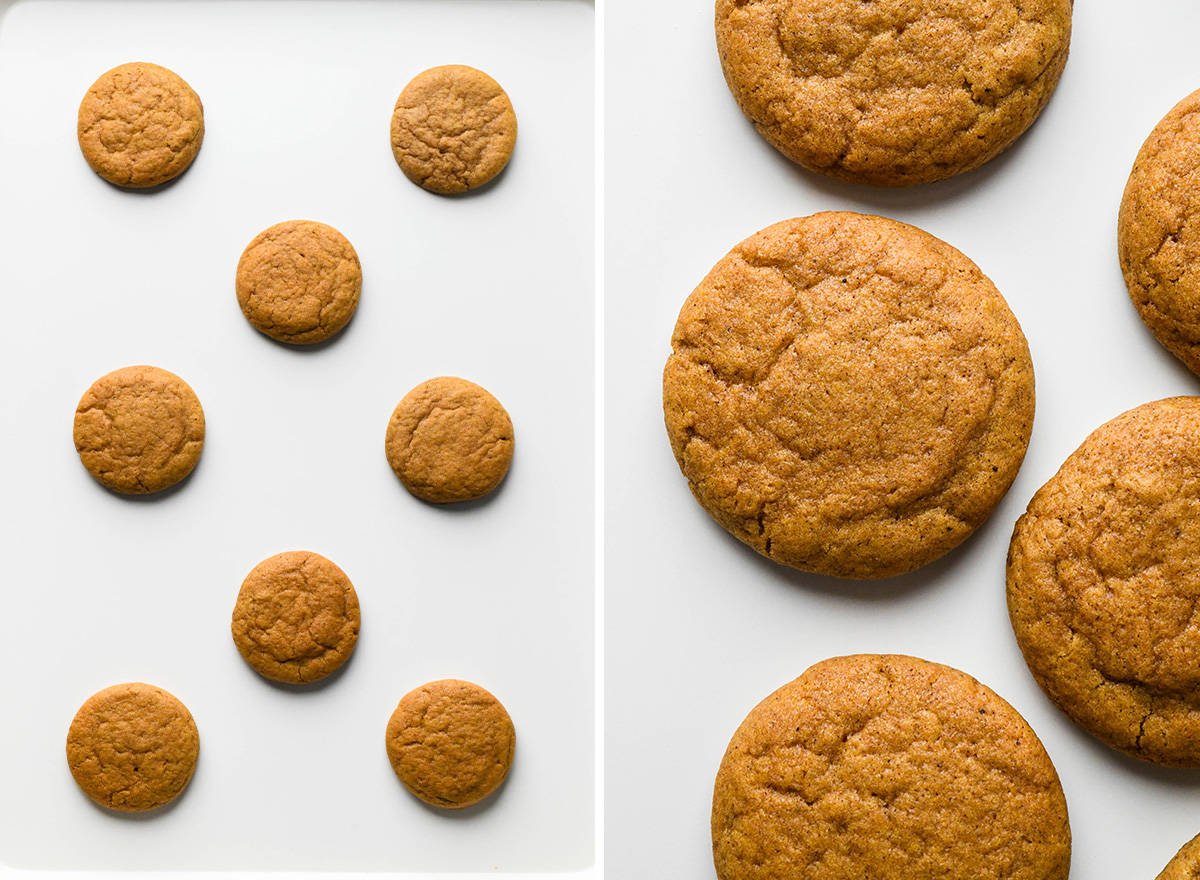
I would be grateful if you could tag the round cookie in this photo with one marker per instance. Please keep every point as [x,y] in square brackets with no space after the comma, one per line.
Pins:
[887,766]
[133,747]
[140,125]
[299,282]
[296,618]
[451,743]
[453,129]
[1103,583]
[139,430]
[449,440]
[848,395]
[892,92]
[1185,865]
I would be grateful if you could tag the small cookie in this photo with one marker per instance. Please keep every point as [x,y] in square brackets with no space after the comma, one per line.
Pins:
[451,743]
[139,430]
[1185,865]
[887,766]
[133,747]
[140,125]
[453,129]
[848,395]
[299,282]
[1103,589]
[893,92]
[449,440]
[296,618]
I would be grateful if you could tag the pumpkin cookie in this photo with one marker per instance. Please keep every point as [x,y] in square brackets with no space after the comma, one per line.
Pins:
[1185,865]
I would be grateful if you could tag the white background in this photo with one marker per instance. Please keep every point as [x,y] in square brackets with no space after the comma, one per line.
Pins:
[699,628]
[496,287]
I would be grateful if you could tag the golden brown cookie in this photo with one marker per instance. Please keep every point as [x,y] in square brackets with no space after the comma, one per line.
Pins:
[848,395]
[133,747]
[1185,865]
[453,129]
[299,282]
[1104,583]
[140,125]
[892,92]
[139,430]
[296,619]
[451,743]
[449,440]
[887,767]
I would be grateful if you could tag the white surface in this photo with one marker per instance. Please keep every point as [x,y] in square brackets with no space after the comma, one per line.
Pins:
[496,287]
[699,628]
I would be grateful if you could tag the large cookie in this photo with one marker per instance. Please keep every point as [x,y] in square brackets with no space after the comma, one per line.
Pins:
[1185,865]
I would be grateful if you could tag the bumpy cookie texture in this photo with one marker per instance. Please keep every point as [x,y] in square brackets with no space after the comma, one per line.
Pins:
[1185,865]
[453,129]
[848,395]
[887,766]
[1104,583]
[133,747]
[139,430]
[449,440]
[451,743]
[140,125]
[296,619]
[299,282]
[892,92]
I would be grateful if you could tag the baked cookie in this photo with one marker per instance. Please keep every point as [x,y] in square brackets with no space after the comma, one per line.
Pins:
[296,619]
[1104,583]
[453,129]
[139,430]
[451,743]
[140,125]
[449,440]
[1185,865]
[133,747]
[299,282]
[887,766]
[848,395]
[892,92]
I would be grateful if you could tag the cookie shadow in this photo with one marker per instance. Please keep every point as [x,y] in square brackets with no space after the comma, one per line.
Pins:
[1157,774]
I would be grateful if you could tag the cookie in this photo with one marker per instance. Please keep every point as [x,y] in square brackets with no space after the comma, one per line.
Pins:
[892,92]
[887,766]
[453,129]
[449,440]
[133,747]
[299,282]
[296,618]
[848,395]
[1103,589]
[451,743]
[1185,865]
[139,430]
[140,125]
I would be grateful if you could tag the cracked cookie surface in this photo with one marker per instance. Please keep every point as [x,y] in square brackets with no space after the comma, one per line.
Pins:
[296,619]
[887,766]
[139,430]
[1103,583]
[453,129]
[140,125]
[848,395]
[133,747]
[892,92]
[299,282]
[451,743]
[1185,865]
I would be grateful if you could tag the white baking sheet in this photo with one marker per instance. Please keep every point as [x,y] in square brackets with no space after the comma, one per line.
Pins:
[496,287]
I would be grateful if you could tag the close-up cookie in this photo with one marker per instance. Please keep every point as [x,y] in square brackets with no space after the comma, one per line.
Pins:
[848,395]
[887,766]
[133,747]
[1185,865]
[892,92]
[453,129]
[451,743]
[139,430]
[299,282]
[1104,580]
[296,619]
[449,440]
[140,125]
